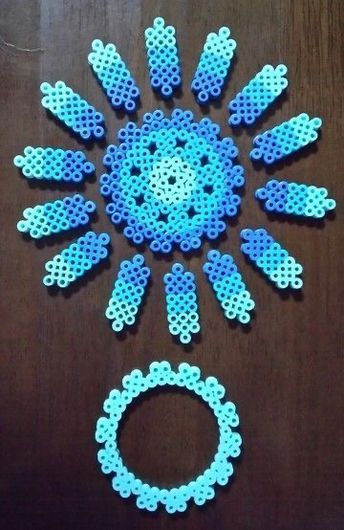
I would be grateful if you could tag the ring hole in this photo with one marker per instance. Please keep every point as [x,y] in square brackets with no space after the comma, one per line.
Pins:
[168,437]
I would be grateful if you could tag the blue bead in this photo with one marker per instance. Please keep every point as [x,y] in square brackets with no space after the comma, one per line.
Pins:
[271,258]
[257,95]
[213,66]
[284,139]
[47,163]
[72,110]
[181,303]
[128,290]
[114,76]
[295,199]
[57,216]
[75,260]
[171,181]
[162,55]
[229,287]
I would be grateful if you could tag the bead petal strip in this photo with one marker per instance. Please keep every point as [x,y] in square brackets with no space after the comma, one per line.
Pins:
[271,258]
[285,139]
[74,261]
[56,216]
[259,93]
[293,198]
[114,76]
[162,56]
[229,286]
[181,303]
[213,66]
[48,163]
[128,291]
[75,112]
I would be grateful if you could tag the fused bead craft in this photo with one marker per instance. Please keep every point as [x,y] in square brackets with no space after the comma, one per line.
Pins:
[213,66]
[53,164]
[162,55]
[286,138]
[72,110]
[129,288]
[75,260]
[257,95]
[229,287]
[269,256]
[57,216]
[171,181]
[296,199]
[199,490]
[181,303]
[114,76]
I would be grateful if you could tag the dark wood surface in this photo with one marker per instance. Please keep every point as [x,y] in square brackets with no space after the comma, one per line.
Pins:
[59,357]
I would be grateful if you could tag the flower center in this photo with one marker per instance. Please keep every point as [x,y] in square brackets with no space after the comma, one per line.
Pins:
[172,180]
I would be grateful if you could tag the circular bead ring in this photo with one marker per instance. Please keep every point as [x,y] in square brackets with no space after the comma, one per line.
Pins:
[199,490]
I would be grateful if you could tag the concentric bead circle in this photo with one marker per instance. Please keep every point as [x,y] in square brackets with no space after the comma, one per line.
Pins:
[171,181]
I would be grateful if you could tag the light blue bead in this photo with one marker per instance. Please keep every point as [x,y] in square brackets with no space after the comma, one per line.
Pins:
[181,303]
[271,258]
[75,260]
[171,181]
[162,56]
[293,198]
[213,66]
[57,216]
[48,163]
[286,138]
[114,76]
[202,488]
[229,287]
[72,110]
[259,93]
[128,290]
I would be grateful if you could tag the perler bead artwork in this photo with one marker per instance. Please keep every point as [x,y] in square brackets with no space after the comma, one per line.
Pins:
[229,287]
[171,181]
[269,256]
[57,216]
[199,490]
[181,303]
[285,139]
[72,110]
[75,260]
[213,66]
[128,290]
[257,95]
[296,199]
[47,163]
[162,56]
[114,76]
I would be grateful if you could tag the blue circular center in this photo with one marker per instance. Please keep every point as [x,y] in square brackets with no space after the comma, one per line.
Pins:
[171,181]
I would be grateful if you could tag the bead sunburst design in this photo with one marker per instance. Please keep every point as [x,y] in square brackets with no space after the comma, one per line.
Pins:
[171,181]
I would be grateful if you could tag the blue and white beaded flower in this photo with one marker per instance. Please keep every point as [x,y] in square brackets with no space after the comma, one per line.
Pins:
[172,181]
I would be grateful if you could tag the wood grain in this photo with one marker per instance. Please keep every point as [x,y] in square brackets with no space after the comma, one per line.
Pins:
[59,357]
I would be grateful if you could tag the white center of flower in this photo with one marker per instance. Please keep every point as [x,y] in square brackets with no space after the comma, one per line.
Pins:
[172,180]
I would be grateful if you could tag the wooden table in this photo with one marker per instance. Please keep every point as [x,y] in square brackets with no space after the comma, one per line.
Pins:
[59,356]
